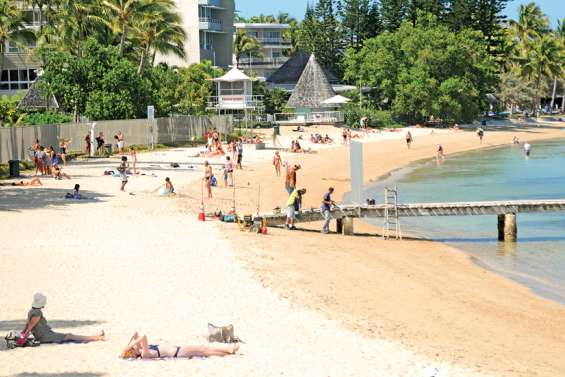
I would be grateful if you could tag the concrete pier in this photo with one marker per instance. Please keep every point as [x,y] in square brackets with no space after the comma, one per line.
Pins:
[507,227]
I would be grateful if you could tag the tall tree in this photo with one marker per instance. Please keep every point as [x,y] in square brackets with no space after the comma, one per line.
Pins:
[393,13]
[122,11]
[435,7]
[358,19]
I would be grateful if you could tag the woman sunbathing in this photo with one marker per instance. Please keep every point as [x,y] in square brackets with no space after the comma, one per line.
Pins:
[138,347]
[32,182]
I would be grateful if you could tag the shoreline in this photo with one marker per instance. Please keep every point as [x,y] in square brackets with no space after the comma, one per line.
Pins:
[297,275]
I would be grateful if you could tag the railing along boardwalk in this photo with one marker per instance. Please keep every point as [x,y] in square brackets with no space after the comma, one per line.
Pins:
[505,210]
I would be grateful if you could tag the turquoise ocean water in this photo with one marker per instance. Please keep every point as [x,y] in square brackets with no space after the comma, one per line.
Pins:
[537,260]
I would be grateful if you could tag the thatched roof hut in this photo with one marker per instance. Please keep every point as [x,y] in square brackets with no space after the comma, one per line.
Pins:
[313,87]
[35,99]
[289,73]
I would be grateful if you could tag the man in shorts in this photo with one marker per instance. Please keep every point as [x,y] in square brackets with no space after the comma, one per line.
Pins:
[293,205]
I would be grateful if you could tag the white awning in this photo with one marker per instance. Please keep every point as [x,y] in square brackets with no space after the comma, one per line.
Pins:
[233,75]
[336,100]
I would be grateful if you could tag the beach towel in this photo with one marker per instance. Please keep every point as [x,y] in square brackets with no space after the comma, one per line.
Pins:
[12,340]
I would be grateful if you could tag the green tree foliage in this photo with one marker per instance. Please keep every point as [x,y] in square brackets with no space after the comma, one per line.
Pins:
[359,21]
[195,86]
[426,70]
[393,12]
[515,92]
[321,35]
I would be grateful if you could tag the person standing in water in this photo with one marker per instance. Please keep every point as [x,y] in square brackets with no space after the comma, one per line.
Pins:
[527,149]
[439,153]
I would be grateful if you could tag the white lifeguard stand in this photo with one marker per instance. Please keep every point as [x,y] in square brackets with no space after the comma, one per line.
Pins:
[235,94]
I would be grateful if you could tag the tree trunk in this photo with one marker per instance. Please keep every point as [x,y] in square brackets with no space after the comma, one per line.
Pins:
[563,98]
[553,93]
[144,56]
[123,38]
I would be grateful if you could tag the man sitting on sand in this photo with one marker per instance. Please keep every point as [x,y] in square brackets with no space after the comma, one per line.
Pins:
[37,325]
[139,347]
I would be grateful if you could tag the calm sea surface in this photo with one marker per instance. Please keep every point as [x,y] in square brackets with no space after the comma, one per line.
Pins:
[537,260]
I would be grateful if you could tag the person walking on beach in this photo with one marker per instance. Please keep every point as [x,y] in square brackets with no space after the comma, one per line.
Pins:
[88,144]
[123,173]
[100,144]
[239,154]
[290,180]
[527,149]
[327,204]
[277,163]
[38,326]
[480,134]
[293,205]
[228,172]
[408,139]
[208,178]
[133,156]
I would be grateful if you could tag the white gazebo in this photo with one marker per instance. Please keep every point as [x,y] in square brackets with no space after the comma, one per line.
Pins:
[336,101]
[234,92]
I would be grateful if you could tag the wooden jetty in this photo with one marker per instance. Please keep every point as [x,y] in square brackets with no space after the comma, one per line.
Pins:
[505,210]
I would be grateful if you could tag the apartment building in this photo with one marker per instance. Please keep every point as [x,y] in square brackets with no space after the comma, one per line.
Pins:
[209,28]
[273,48]
[20,68]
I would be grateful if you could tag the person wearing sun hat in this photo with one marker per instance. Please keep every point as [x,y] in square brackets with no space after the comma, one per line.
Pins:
[38,326]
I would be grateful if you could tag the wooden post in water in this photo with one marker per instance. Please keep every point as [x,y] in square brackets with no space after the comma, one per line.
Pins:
[507,227]
[348,226]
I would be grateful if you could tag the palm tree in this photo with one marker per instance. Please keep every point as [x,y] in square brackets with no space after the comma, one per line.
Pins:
[244,44]
[532,22]
[263,19]
[285,18]
[12,27]
[159,29]
[542,59]
[560,32]
[123,10]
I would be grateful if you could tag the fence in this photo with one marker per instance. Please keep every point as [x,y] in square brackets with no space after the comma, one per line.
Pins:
[321,117]
[15,142]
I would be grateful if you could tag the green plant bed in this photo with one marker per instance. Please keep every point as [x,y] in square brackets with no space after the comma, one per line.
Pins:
[25,166]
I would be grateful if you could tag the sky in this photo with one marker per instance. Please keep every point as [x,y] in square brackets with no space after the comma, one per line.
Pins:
[555,9]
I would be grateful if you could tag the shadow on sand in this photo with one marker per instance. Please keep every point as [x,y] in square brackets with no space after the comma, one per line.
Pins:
[20,198]
[64,374]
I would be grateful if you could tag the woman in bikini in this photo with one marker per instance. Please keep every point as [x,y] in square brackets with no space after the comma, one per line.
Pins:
[208,178]
[138,347]
[277,163]
[63,145]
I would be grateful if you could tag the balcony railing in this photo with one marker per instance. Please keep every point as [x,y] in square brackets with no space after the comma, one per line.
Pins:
[322,117]
[235,102]
[211,3]
[273,41]
[208,23]
[263,62]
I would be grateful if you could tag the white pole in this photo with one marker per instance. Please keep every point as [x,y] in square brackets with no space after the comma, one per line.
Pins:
[92,149]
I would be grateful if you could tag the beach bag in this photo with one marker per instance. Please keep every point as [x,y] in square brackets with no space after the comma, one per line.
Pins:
[13,337]
[222,334]
[213,181]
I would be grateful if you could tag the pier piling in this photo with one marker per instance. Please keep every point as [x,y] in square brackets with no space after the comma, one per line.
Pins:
[507,227]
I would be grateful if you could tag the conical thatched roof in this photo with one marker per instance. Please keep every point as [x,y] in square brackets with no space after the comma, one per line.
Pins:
[291,70]
[313,88]
[35,99]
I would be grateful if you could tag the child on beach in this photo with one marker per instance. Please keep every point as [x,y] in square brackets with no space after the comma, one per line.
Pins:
[239,154]
[277,163]
[123,173]
[167,189]
[139,347]
[38,326]
[75,194]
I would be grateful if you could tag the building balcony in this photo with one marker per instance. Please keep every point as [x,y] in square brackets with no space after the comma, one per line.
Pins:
[274,42]
[262,62]
[211,24]
[235,102]
[216,4]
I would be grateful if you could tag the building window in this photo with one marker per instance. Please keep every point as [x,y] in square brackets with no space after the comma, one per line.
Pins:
[272,34]
[17,79]
[276,54]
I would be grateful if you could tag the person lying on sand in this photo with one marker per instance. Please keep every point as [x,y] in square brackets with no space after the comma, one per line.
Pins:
[38,326]
[32,182]
[138,347]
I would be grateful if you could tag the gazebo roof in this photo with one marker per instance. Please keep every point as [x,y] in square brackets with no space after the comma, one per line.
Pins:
[313,87]
[291,70]
[35,99]
[336,100]
[233,75]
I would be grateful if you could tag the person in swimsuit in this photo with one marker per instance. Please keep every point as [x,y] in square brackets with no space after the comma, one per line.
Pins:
[63,150]
[100,144]
[277,163]
[133,157]
[408,139]
[167,189]
[58,174]
[123,173]
[53,158]
[120,142]
[208,178]
[88,144]
[38,326]
[35,181]
[139,347]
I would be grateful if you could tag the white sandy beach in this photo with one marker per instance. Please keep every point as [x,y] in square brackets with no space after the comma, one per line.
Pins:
[139,262]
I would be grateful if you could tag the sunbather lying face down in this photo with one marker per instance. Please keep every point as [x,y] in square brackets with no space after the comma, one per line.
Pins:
[138,347]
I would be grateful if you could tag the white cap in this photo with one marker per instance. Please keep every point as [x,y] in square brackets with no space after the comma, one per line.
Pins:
[39,300]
